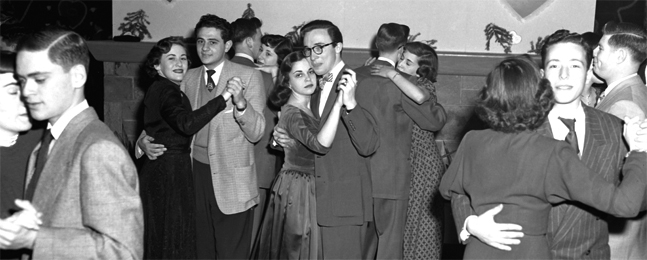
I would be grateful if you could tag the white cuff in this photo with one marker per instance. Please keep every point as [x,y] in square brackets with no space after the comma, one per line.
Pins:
[464,235]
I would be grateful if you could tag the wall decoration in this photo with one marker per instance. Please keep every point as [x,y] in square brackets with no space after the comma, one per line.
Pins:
[135,25]
[525,9]
[504,37]
[431,43]
[249,13]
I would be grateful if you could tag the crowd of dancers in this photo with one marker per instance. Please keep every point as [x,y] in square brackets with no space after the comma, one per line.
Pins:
[279,150]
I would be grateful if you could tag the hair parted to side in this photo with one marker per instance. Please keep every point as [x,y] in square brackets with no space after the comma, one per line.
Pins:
[163,46]
[281,45]
[565,36]
[7,62]
[427,59]
[281,93]
[213,21]
[332,29]
[243,28]
[391,36]
[515,98]
[64,48]
[628,36]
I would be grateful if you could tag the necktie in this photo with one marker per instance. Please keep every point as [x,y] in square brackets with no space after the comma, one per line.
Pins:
[325,78]
[210,84]
[571,137]
[600,99]
[40,163]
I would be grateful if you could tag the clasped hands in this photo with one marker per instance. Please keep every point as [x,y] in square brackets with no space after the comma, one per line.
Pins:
[20,229]
[235,88]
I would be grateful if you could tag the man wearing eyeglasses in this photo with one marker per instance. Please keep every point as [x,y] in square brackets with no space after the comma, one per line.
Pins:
[344,204]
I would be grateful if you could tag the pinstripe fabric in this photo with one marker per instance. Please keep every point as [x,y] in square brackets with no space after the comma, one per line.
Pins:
[232,138]
[577,231]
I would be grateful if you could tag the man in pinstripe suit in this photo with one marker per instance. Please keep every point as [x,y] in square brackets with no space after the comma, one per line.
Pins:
[575,231]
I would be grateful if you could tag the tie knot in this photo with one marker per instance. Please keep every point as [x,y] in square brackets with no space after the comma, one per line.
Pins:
[325,78]
[47,136]
[210,72]
[570,123]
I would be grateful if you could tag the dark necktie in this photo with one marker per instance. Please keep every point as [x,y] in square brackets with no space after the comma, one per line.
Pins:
[210,84]
[571,137]
[325,78]
[40,163]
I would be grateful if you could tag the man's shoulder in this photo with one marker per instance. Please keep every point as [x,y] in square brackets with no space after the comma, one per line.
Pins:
[602,116]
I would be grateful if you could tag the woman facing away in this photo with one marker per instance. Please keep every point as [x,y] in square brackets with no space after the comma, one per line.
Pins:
[289,229]
[166,183]
[274,49]
[424,226]
[511,164]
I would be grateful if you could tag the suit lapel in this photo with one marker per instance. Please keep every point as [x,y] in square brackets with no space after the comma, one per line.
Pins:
[314,102]
[57,168]
[545,130]
[225,75]
[332,96]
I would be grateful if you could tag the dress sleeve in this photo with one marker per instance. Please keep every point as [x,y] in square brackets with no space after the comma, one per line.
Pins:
[426,84]
[305,130]
[451,183]
[184,120]
[569,179]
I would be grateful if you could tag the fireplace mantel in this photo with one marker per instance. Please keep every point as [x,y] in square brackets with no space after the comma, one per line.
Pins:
[451,63]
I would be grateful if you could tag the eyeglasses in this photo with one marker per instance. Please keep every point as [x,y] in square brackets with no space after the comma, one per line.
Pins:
[317,49]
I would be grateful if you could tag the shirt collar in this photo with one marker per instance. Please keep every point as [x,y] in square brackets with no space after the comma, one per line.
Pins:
[64,120]
[614,84]
[244,55]
[387,60]
[8,141]
[335,70]
[215,76]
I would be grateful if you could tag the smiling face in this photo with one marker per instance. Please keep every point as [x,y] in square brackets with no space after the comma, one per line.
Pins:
[268,57]
[210,46]
[566,70]
[13,113]
[48,89]
[408,63]
[330,56]
[303,79]
[173,64]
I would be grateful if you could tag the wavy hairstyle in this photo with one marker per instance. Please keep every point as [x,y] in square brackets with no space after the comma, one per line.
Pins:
[427,59]
[515,98]
[163,46]
[628,36]
[281,45]
[213,21]
[64,47]
[565,36]
[391,36]
[281,92]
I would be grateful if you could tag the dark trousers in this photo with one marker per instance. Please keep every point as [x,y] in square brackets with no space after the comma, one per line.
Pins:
[218,236]
[386,239]
[344,242]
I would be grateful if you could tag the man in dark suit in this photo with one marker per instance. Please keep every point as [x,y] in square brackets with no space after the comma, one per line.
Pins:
[246,38]
[395,114]
[617,58]
[575,231]
[90,206]
[344,203]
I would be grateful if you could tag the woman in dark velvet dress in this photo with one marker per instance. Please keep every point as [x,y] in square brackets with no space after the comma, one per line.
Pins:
[289,229]
[166,183]
[511,164]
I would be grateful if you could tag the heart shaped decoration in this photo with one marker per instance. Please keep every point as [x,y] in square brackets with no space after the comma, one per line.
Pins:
[526,9]
[73,12]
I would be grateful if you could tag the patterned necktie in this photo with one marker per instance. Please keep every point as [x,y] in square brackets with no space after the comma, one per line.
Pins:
[325,78]
[600,98]
[210,84]
[40,163]
[571,137]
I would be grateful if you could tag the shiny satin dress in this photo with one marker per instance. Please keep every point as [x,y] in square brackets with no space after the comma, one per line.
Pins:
[166,184]
[289,229]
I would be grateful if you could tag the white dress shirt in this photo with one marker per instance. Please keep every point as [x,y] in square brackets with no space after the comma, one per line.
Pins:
[560,130]
[62,122]
[325,89]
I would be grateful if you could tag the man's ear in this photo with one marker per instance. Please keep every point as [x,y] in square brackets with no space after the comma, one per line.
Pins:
[542,73]
[228,46]
[338,47]
[621,55]
[249,42]
[79,75]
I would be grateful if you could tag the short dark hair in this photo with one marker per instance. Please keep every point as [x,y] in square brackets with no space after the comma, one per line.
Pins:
[243,28]
[628,36]
[427,59]
[391,36]
[281,93]
[7,62]
[281,45]
[213,21]
[64,48]
[565,36]
[515,98]
[332,29]
[163,46]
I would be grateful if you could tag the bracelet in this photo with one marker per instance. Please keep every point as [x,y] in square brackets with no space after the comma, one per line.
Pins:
[396,74]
